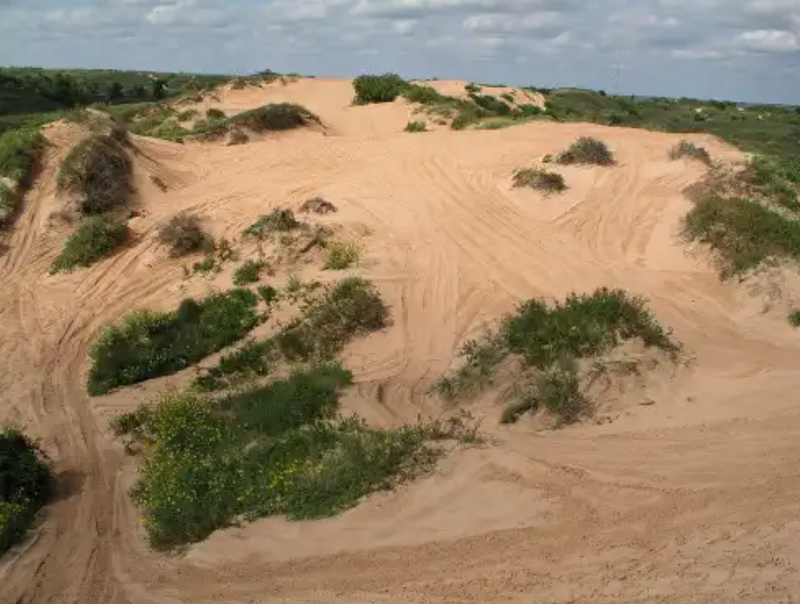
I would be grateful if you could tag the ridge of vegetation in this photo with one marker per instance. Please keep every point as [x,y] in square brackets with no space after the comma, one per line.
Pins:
[549,342]
[149,344]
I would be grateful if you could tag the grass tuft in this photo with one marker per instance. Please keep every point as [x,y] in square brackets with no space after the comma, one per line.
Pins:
[378,88]
[274,117]
[96,238]
[794,318]
[542,180]
[416,127]
[20,151]
[277,221]
[248,272]
[341,255]
[690,150]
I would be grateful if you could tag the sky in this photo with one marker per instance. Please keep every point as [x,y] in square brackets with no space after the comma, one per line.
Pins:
[745,50]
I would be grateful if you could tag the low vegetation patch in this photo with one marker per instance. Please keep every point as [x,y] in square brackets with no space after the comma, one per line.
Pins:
[151,344]
[183,234]
[25,484]
[277,221]
[274,117]
[277,450]
[794,318]
[8,202]
[100,171]
[215,114]
[348,309]
[587,151]
[238,137]
[416,127]
[542,180]
[248,272]
[20,151]
[746,217]
[548,341]
[340,255]
[690,150]
[96,238]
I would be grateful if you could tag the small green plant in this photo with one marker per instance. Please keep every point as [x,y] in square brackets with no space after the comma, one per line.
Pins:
[183,235]
[378,88]
[472,88]
[558,388]
[424,95]
[341,255]
[585,151]
[26,482]
[542,180]
[215,114]
[8,202]
[690,150]
[251,359]
[96,238]
[268,294]
[277,221]
[416,127]
[248,272]
[149,344]
[100,171]
[187,115]
[508,97]
[794,318]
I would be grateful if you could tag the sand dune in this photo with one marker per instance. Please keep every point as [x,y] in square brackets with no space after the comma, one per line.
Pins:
[693,498]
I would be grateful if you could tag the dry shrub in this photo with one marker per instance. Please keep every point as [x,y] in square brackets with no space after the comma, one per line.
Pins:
[183,234]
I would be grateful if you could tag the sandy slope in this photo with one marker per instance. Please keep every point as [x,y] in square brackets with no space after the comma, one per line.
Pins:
[691,499]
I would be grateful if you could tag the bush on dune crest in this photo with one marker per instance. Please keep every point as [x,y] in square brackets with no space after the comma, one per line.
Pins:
[585,151]
[100,171]
[274,117]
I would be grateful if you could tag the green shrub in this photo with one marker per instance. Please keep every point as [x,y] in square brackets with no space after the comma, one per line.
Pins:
[274,117]
[96,238]
[472,88]
[542,180]
[100,171]
[770,179]
[690,150]
[183,234]
[491,104]
[378,88]
[794,318]
[508,97]
[215,114]
[268,293]
[548,340]
[277,221]
[148,344]
[248,272]
[187,114]
[25,484]
[424,95]
[341,255]
[20,151]
[350,308]
[587,150]
[416,127]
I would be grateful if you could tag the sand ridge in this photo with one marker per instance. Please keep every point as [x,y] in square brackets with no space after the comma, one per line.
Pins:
[693,498]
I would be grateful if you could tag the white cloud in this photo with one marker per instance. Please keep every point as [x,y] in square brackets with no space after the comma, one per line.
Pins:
[769,41]
[499,23]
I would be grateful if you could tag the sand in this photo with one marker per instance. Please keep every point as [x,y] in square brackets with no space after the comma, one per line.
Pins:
[690,494]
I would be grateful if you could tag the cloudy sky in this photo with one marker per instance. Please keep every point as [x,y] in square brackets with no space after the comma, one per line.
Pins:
[745,50]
